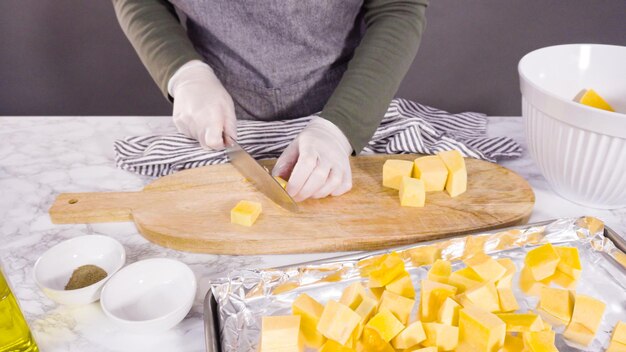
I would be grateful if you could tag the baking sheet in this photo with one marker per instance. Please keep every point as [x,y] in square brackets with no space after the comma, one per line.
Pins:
[235,304]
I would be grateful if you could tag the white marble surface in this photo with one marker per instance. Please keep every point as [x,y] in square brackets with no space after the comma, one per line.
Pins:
[43,156]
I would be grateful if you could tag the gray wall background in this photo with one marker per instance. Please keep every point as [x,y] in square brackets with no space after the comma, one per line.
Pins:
[69,57]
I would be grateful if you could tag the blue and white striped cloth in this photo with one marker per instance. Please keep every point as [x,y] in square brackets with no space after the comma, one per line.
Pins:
[407,127]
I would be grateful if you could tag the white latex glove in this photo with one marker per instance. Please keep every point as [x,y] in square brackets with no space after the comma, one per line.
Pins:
[203,109]
[316,162]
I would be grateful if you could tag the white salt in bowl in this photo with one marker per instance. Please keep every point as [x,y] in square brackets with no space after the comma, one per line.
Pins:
[580,150]
[54,268]
[149,296]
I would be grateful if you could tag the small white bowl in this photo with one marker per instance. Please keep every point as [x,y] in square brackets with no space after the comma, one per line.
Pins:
[149,296]
[54,268]
[580,150]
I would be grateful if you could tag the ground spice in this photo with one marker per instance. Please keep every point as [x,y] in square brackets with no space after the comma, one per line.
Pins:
[84,276]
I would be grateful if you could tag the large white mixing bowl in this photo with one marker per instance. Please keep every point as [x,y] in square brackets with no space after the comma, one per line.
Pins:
[580,150]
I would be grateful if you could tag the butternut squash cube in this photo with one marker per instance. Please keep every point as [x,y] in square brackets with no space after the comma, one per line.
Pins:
[281,181]
[398,305]
[563,280]
[338,322]
[480,331]
[281,333]
[507,279]
[245,212]
[410,336]
[456,183]
[432,171]
[334,346]
[529,285]
[440,271]
[586,319]
[367,265]
[487,268]
[432,296]
[569,262]
[618,338]
[449,312]
[539,341]
[377,292]
[385,324]
[615,346]
[521,322]
[593,99]
[507,300]
[353,295]
[464,279]
[619,332]
[310,312]
[389,269]
[421,349]
[424,255]
[394,170]
[513,344]
[402,285]
[542,261]
[556,305]
[484,296]
[372,341]
[412,192]
[367,308]
[444,337]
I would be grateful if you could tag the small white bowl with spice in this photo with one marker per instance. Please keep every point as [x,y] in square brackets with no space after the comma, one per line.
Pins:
[74,271]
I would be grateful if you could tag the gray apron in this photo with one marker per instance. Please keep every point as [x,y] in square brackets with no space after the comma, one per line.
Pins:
[278,59]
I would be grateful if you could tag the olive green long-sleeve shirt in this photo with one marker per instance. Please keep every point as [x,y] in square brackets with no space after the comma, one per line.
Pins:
[358,104]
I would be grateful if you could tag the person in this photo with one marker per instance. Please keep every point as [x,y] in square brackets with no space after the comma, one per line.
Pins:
[223,60]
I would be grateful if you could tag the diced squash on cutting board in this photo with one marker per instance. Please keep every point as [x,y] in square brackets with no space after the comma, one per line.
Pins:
[456,183]
[432,171]
[394,171]
[245,213]
[281,181]
[412,192]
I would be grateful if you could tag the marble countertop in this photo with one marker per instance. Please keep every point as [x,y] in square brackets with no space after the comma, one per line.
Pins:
[43,156]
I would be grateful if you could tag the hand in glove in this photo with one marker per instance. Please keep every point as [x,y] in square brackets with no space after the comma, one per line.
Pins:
[203,109]
[317,162]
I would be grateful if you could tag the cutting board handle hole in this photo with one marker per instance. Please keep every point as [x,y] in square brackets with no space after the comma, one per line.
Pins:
[73,201]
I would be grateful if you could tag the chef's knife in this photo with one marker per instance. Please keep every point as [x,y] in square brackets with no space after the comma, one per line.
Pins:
[258,175]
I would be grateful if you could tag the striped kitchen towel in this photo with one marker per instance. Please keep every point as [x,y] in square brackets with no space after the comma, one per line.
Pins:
[407,127]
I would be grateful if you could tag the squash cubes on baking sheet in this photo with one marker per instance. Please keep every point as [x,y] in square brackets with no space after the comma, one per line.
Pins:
[473,308]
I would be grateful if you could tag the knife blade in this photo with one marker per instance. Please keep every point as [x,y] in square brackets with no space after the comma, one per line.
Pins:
[258,176]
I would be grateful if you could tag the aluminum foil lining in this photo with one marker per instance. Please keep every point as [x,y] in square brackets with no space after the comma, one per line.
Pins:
[244,296]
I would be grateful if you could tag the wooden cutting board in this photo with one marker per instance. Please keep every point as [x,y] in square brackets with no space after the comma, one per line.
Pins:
[190,211]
